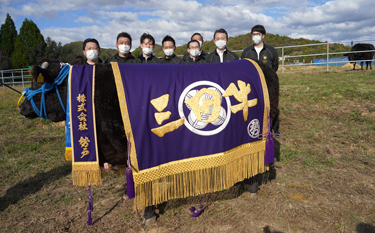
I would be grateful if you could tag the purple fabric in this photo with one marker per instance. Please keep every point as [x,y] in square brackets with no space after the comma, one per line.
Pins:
[143,84]
[81,83]
[129,183]
[269,156]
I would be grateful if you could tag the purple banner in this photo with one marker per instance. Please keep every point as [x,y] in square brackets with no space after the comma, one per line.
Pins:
[82,115]
[227,96]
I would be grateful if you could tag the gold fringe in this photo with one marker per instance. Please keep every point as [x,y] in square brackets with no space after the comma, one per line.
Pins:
[68,153]
[193,183]
[84,175]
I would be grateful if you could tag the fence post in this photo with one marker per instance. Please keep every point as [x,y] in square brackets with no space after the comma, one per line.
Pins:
[283,58]
[327,56]
[2,78]
[23,84]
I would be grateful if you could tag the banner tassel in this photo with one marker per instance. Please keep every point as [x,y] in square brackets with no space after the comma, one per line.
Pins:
[91,207]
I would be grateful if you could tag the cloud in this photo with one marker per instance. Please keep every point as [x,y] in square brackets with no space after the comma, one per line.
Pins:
[335,20]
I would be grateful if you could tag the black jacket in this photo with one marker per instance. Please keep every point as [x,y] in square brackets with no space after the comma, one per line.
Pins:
[227,56]
[267,55]
[151,59]
[128,59]
[171,60]
[198,60]
[202,56]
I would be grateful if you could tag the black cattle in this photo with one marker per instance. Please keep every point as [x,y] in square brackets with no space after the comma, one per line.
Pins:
[361,55]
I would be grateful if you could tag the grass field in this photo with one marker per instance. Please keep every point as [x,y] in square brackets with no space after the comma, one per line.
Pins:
[324,179]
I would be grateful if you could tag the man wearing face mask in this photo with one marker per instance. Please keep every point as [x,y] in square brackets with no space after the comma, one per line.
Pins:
[123,45]
[147,45]
[261,51]
[202,54]
[193,48]
[91,50]
[169,46]
[221,53]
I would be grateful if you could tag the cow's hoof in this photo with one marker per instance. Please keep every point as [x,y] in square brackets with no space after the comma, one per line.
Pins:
[150,221]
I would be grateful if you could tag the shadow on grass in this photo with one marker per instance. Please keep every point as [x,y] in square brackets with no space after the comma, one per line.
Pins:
[365,228]
[33,185]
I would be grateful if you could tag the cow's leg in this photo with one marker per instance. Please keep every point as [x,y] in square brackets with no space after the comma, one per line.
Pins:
[149,215]
[252,185]
[354,66]
[361,65]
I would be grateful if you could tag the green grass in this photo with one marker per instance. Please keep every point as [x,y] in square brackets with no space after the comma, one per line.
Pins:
[327,122]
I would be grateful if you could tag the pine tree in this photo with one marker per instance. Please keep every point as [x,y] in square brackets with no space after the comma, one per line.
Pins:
[8,34]
[29,46]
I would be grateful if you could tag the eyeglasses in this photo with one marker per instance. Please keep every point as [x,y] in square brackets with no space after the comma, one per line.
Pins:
[257,34]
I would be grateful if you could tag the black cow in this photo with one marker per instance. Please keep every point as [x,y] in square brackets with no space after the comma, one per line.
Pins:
[109,125]
[361,55]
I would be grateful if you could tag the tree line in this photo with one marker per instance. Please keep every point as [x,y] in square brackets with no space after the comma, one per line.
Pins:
[29,46]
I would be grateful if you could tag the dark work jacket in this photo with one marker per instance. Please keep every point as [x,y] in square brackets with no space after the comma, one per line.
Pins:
[151,59]
[171,60]
[267,55]
[198,60]
[128,59]
[201,57]
[227,56]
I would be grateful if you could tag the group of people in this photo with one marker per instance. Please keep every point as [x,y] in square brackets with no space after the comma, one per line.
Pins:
[258,51]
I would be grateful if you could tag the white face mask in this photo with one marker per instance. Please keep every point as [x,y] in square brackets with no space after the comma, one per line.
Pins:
[257,39]
[221,44]
[200,44]
[147,51]
[123,49]
[194,53]
[92,55]
[169,52]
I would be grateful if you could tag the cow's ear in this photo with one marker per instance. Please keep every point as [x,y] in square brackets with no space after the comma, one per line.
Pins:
[78,60]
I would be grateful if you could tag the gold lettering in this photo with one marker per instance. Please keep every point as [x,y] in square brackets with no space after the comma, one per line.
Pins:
[84,142]
[81,107]
[82,117]
[241,96]
[160,131]
[160,103]
[81,98]
[162,116]
[82,126]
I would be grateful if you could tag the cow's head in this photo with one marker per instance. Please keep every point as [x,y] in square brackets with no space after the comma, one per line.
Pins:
[46,72]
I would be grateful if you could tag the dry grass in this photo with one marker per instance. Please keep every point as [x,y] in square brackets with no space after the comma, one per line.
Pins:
[323,181]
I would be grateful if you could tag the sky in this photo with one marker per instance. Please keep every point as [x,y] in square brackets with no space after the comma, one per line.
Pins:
[75,20]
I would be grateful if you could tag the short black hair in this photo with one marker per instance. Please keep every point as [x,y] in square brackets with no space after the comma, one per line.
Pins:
[221,30]
[258,28]
[198,35]
[90,40]
[188,44]
[146,35]
[124,34]
[168,38]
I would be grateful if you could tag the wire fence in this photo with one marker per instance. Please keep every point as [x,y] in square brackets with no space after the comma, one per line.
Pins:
[23,76]
[16,77]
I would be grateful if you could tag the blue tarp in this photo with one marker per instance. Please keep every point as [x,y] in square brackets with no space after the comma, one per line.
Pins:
[340,61]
